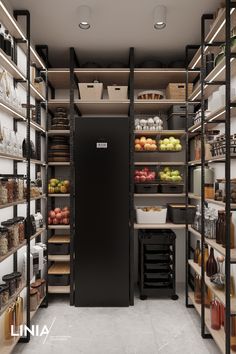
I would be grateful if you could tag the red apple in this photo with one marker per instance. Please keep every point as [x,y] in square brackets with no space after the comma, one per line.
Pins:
[61,221]
[67,213]
[65,221]
[59,216]
[57,210]
[52,214]
[146,169]
[137,179]
[55,221]
[49,221]
[65,208]
[142,178]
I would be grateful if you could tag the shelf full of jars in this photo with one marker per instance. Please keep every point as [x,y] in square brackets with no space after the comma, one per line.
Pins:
[23,253]
[211,246]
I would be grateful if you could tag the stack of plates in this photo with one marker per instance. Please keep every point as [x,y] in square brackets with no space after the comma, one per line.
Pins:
[59,149]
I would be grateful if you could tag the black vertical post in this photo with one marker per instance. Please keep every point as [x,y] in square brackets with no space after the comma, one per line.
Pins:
[131,159]
[28,228]
[227,174]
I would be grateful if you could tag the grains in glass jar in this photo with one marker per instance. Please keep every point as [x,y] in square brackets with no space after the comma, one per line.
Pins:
[10,190]
[20,189]
[18,279]
[33,299]
[21,228]
[11,282]
[3,241]
[5,293]
[3,191]
[15,235]
[9,224]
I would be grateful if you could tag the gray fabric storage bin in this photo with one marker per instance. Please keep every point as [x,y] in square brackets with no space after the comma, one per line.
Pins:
[181,108]
[177,121]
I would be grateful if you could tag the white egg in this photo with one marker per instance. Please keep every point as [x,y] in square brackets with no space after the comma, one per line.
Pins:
[156,119]
[145,127]
[150,121]
[143,122]
[138,127]
[136,122]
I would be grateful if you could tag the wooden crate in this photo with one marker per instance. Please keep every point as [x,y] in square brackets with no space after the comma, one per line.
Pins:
[177,91]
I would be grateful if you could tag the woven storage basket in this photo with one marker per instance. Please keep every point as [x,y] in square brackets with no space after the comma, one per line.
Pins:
[177,91]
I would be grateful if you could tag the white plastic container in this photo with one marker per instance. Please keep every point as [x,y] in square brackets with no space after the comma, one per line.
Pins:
[116,93]
[151,217]
[91,91]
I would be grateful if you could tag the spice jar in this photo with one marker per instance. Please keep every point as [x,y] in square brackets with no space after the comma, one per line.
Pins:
[33,299]
[10,190]
[15,235]
[9,224]
[11,282]
[5,293]
[3,241]
[3,191]
[18,279]
[20,220]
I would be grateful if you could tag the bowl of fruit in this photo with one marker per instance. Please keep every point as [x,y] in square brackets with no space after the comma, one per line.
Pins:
[170,175]
[59,216]
[58,186]
[170,144]
[145,144]
[144,175]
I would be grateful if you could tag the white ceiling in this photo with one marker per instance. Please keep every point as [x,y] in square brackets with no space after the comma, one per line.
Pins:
[116,25]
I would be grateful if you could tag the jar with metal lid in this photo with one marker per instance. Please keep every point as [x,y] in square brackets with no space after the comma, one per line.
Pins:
[5,293]
[42,288]
[11,282]
[3,241]
[20,220]
[18,279]
[37,285]
[20,189]
[15,236]
[3,191]
[9,224]
[10,190]
[33,299]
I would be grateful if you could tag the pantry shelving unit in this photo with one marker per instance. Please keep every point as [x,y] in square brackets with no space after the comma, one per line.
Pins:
[219,33]
[19,78]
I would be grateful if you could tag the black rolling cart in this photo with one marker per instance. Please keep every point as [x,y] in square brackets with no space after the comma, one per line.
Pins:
[157,264]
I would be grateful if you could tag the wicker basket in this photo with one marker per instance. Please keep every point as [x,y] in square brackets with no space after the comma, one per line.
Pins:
[178,91]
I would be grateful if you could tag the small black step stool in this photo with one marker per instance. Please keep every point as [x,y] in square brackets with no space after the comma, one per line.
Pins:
[157,263]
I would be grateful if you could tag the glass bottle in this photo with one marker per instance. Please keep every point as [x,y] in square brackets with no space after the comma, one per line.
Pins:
[233,333]
[215,314]
[208,297]
[222,314]
[197,252]
[232,229]
[211,265]
[219,226]
[197,288]
[196,223]
[205,256]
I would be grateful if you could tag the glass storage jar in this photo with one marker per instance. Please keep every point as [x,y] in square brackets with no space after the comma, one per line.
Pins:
[5,293]
[15,235]
[20,220]
[18,279]
[3,241]
[37,285]
[15,189]
[11,282]
[10,190]
[42,289]
[3,191]
[20,189]
[33,299]
[9,224]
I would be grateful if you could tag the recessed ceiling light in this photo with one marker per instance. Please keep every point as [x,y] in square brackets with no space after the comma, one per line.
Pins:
[84,17]
[159,17]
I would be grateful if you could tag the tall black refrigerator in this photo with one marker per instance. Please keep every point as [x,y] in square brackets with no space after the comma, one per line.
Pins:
[102,212]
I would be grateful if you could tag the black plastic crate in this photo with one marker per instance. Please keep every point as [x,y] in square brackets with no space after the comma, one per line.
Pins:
[178,121]
[59,279]
[180,214]
[181,108]
[159,248]
[157,276]
[157,257]
[142,188]
[58,248]
[162,267]
[171,188]
[158,284]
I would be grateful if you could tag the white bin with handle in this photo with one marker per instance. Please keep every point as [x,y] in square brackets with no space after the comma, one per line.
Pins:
[151,215]
[117,93]
[91,91]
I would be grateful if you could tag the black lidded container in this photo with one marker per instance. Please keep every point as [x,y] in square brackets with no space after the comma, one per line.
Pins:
[10,280]
[180,214]
[7,44]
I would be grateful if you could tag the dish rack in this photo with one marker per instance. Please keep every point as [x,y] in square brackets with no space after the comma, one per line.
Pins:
[218,145]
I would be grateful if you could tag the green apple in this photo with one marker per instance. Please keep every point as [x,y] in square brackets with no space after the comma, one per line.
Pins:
[168,178]
[166,169]
[171,139]
[174,178]
[178,147]
[162,147]
[170,146]
[177,141]
[175,173]
[166,141]
[178,178]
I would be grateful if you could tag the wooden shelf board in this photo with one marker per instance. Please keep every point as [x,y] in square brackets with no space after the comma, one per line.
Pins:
[10,66]
[153,106]
[58,163]
[59,268]
[59,77]
[58,132]
[212,243]
[159,133]
[108,76]
[160,195]
[37,126]
[11,110]
[59,289]
[58,227]
[59,195]
[218,336]
[220,294]
[11,300]
[12,251]
[213,160]
[58,258]
[159,226]
[159,78]
[104,106]
[59,239]
[38,162]
[36,94]
[39,232]
[212,201]
[10,23]
[11,157]
[163,163]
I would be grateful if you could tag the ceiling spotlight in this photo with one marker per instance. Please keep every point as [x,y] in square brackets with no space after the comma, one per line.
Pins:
[84,17]
[160,17]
